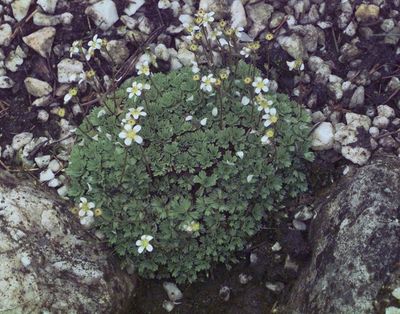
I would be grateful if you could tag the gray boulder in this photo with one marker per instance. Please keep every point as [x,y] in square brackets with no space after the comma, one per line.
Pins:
[49,263]
[355,243]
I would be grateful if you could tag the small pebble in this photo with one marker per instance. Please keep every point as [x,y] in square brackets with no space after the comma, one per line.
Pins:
[299,225]
[42,161]
[275,287]
[43,116]
[225,293]
[168,305]
[244,279]
[55,165]
[276,247]
[46,175]
[174,294]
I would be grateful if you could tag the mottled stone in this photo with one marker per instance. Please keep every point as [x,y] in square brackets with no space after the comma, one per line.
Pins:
[355,243]
[48,263]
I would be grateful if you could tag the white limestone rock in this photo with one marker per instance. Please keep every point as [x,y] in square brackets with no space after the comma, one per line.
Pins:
[68,70]
[386,111]
[46,175]
[293,45]
[20,8]
[5,34]
[103,13]
[41,19]
[358,120]
[186,57]
[14,59]
[117,51]
[21,139]
[380,122]
[48,6]
[42,161]
[238,14]
[357,155]
[322,137]
[133,6]
[44,238]
[41,41]
[37,87]
[6,82]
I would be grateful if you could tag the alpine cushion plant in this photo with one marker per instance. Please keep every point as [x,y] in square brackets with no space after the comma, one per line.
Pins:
[192,163]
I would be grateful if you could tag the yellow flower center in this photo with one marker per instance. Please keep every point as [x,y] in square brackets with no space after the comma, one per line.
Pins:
[131,134]
[135,89]
[198,20]
[145,243]
[131,122]
[90,74]
[269,36]
[229,32]
[218,82]
[198,36]
[270,133]
[196,77]
[273,119]
[61,112]
[97,212]
[73,92]
[260,84]
[247,80]
[222,23]
[264,104]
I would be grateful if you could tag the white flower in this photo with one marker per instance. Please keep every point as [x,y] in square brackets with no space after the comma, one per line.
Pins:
[214,34]
[260,84]
[95,43]
[128,120]
[195,67]
[164,4]
[203,122]
[192,227]
[101,113]
[89,54]
[136,112]
[245,52]
[188,118]
[71,93]
[82,77]
[214,112]
[245,100]
[144,244]
[208,18]
[238,31]
[143,68]
[75,48]
[270,117]
[295,65]
[135,89]
[206,82]
[240,154]
[129,134]
[85,207]
[249,178]
[264,104]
